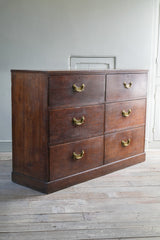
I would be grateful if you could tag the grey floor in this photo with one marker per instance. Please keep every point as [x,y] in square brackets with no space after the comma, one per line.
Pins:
[121,205]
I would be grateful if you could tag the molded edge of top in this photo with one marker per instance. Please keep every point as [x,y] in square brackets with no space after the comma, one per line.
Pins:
[54,72]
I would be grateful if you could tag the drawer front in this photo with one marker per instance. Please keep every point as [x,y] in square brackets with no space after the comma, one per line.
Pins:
[76,90]
[71,158]
[70,124]
[125,87]
[133,144]
[124,114]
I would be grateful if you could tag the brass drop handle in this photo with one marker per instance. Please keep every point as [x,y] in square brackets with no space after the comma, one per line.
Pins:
[126,114]
[127,85]
[78,156]
[78,122]
[78,89]
[126,143]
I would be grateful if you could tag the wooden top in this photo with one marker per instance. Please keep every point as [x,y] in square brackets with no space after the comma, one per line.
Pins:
[84,71]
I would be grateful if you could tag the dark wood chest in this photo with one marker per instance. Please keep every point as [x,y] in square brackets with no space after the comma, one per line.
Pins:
[72,126]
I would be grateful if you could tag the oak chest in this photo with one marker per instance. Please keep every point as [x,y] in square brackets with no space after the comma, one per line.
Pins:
[72,126]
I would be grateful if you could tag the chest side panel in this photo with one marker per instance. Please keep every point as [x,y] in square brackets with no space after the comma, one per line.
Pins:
[30,124]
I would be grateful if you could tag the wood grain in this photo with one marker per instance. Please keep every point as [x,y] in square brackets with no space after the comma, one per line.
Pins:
[115,90]
[113,115]
[62,129]
[30,124]
[114,150]
[122,205]
[61,157]
[61,92]
[44,104]
[58,184]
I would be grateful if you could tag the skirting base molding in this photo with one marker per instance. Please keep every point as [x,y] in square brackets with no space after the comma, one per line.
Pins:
[5,146]
[5,156]
[53,186]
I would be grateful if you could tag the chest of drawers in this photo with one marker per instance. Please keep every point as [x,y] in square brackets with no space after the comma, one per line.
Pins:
[72,126]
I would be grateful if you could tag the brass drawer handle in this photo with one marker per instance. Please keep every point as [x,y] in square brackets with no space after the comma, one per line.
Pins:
[126,114]
[126,143]
[127,85]
[78,89]
[79,122]
[78,156]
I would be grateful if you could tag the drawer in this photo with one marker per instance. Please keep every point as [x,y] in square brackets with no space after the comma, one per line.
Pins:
[125,87]
[76,90]
[127,114]
[133,144]
[75,123]
[71,158]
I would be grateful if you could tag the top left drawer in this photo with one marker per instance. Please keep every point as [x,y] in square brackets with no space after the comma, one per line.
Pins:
[76,90]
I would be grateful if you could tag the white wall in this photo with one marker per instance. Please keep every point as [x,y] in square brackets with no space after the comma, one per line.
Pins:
[42,34]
